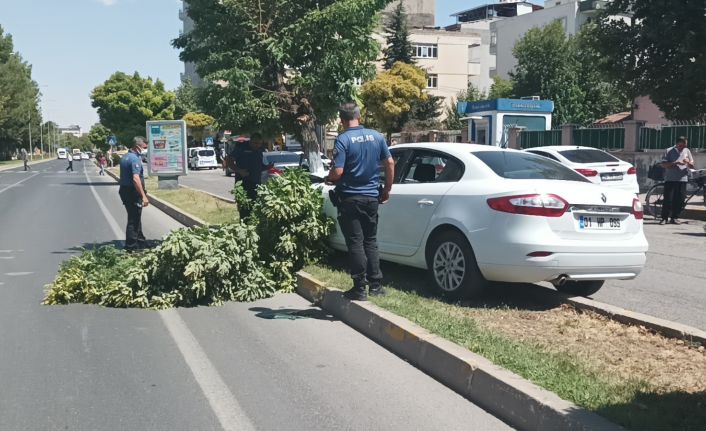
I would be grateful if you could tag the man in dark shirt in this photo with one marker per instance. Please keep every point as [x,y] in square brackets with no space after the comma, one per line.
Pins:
[677,161]
[247,163]
[132,193]
[355,170]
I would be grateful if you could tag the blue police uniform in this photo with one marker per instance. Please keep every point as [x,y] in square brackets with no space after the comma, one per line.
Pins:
[131,164]
[359,152]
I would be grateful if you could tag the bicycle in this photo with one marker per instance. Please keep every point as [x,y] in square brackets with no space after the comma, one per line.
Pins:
[655,195]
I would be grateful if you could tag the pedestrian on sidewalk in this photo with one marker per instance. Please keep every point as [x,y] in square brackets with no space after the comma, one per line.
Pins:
[677,161]
[355,172]
[102,163]
[132,193]
[25,159]
[71,163]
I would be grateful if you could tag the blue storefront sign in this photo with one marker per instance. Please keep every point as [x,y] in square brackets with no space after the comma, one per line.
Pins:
[507,105]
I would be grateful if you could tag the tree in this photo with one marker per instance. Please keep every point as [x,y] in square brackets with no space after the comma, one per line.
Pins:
[19,100]
[391,94]
[98,136]
[126,102]
[658,51]
[563,69]
[186,99]
[398,48]
[500,89]
[197,123]
[281,66]
[424,114]
[453,118]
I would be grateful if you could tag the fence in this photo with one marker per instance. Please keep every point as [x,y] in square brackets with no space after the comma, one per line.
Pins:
[604,138]
[665,137]
[542,138]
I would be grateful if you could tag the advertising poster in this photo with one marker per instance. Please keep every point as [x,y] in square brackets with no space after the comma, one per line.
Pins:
[167,147]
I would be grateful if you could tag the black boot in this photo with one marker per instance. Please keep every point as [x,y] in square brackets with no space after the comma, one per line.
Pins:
[357,293]
[376,289]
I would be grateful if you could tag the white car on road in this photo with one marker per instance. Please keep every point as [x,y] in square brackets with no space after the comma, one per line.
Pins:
[597,165]
[475,213]
[202,158]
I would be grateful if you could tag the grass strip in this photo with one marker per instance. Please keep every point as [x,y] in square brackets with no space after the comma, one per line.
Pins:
[624,400]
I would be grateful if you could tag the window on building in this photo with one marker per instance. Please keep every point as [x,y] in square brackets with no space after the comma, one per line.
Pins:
[426,50]
[433,81]
[494,38]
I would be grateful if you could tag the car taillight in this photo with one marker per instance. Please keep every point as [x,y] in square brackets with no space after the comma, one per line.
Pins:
[632,171]
[637,209]
[275,171]
[587,172]
[536,205]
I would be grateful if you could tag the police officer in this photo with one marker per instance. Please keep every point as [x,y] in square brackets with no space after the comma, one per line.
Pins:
[132,193]
[357,155]
[247,163]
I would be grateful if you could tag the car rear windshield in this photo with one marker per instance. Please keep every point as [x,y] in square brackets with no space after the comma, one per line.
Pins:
[588,156]
[282,158]
[206,153]
[525,166]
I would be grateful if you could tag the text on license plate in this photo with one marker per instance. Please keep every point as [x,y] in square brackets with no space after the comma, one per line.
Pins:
[599,223]
[612,177]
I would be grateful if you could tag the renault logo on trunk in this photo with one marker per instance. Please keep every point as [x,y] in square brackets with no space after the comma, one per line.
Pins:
[604,198]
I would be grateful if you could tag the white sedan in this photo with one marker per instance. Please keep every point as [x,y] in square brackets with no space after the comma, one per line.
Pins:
[473,213]
[597,165]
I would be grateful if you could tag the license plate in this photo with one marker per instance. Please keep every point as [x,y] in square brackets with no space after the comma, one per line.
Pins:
[612,177]
[599,223]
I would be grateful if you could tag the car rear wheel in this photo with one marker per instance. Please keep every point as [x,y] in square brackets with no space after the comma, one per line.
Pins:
[453,266]
[580,288]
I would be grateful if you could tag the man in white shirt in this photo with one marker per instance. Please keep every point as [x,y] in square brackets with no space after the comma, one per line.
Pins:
[677,161]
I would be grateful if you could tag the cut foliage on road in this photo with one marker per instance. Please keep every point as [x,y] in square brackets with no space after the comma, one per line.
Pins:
[635,378]
[243,261]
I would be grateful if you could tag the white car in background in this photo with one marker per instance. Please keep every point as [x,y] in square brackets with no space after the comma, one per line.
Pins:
[597,165]
[202,158]
[474,213]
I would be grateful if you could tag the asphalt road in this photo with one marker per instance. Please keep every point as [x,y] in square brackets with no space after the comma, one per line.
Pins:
[671,287]
[84,367]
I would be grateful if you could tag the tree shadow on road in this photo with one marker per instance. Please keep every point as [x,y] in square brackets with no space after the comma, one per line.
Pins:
[522,296]
[656,412]
[111,184]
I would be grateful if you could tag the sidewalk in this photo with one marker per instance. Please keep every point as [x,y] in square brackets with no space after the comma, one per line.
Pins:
[696,210]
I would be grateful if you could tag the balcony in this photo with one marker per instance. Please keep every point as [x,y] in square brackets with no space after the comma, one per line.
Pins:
[592,6]
[474,68]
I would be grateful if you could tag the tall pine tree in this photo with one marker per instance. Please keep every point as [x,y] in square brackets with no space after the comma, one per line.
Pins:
[399,48]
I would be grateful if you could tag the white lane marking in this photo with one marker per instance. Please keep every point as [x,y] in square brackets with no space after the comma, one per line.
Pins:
[222,401]
[18,183]
[18,274]
[84,339]
[6,257]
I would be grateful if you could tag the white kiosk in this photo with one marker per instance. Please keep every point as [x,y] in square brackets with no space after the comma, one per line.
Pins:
[490,120]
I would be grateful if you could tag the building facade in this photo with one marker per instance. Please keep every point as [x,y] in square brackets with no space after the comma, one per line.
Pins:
[73,130]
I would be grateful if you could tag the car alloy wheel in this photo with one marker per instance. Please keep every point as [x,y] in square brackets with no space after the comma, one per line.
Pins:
[449,267]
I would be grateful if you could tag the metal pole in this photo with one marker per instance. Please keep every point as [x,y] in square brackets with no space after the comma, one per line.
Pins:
[30,135]
[41,138]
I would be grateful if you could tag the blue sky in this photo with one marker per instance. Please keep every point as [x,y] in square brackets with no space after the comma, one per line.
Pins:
[75,45]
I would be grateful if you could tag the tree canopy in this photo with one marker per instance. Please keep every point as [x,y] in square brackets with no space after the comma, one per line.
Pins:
[453,118]
[658,51]
[500,88]
[98,136]
[186,99]
[280,66]
[197,123]
[19,100]
[398,48]
[554,66]
[126,102]
[390,96]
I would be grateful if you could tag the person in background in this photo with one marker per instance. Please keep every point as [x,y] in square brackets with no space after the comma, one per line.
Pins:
[25,159]
[71,163]
[102,162]
[677,161]
[355,170]
[247,163]
[132,193]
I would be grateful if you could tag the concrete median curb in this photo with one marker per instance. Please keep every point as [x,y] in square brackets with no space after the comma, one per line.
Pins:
[515,400]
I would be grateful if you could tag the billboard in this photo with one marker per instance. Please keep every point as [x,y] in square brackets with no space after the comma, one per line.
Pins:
[167,147]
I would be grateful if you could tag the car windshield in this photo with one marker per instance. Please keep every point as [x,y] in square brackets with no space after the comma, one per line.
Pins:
[206,153]
[282,158]
[525,166]
[588,156]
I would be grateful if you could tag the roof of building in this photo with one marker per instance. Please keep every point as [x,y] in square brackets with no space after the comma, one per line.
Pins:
[495,10]
[615,118]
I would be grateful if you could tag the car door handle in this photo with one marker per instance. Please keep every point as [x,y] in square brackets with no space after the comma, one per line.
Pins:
[425,202]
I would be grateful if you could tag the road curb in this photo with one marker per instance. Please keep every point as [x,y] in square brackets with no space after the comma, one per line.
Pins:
[169,209]
[513,399]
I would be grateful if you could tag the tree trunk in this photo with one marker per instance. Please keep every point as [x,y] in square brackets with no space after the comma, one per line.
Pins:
[311,148]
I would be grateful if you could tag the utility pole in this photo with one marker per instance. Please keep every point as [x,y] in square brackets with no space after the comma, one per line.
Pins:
[41,138]
[30,136]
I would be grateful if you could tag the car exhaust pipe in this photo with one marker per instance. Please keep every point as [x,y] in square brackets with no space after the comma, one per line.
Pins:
[561,280]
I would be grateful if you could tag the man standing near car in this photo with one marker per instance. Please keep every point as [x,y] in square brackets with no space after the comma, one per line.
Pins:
[132,193]
[355,170]
[247,164]
[677,161]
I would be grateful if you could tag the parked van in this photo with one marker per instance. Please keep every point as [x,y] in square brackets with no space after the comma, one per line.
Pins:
[202,158]
[62,153]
